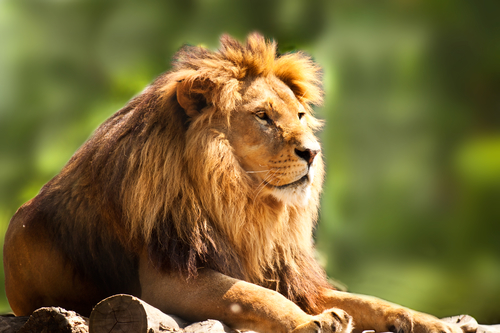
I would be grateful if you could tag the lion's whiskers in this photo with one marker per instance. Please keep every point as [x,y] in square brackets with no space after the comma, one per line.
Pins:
[260,188]
[262,184]
[257,171]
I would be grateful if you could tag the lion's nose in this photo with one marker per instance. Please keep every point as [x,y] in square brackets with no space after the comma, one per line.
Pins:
[307,154]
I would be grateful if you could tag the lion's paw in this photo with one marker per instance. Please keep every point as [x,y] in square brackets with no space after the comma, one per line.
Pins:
[466,323]
[330,321]
[407,321]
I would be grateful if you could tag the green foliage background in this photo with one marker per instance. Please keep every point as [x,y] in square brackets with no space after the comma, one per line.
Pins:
[411,207]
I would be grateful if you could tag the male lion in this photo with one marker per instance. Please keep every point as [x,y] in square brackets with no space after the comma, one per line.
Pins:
[200,197]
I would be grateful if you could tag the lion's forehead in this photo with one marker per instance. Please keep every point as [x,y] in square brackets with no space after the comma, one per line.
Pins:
[273,93]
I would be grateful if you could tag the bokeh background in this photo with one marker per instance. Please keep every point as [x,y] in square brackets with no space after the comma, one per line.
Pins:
[411,207]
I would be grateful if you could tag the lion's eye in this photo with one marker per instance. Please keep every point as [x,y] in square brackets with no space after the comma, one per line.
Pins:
[263,117]
[301,114]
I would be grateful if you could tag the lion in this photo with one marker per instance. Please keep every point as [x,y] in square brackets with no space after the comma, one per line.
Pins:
[200,197]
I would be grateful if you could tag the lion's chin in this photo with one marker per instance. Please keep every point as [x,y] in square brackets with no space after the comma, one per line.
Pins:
[296,193]
[296,196]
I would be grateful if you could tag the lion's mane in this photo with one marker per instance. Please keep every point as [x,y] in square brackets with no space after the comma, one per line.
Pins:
[151,178]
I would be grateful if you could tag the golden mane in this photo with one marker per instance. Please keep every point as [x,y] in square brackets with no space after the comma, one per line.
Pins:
[160,180]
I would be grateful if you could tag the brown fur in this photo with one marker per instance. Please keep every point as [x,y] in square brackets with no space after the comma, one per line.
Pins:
[189,186]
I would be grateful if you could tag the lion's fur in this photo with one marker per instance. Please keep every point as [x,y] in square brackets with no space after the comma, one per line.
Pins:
[151,177]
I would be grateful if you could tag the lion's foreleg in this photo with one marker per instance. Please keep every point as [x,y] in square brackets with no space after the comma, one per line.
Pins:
[237,303]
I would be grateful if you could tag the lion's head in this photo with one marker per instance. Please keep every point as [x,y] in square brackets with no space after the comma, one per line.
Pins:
[271,136]
[260,102]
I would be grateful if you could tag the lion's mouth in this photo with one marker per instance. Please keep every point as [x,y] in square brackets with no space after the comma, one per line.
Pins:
[296,183]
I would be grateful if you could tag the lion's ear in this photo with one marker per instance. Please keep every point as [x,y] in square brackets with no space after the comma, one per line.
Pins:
[191,97]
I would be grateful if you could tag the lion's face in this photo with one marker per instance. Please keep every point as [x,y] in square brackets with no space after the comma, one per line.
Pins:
[273,141]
